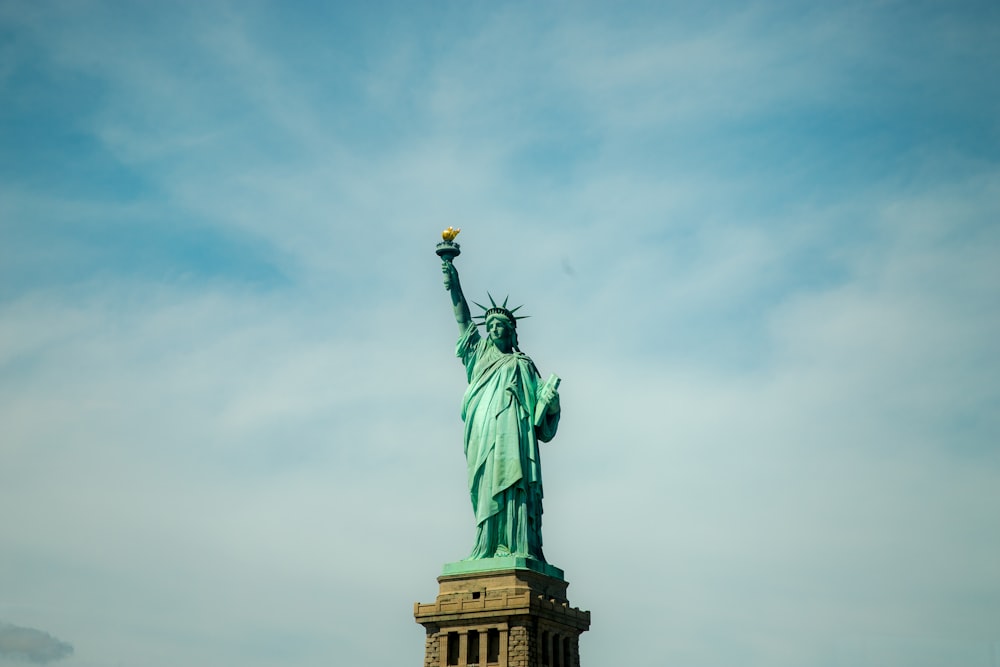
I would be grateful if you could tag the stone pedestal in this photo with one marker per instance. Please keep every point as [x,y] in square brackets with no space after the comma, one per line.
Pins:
[501,618]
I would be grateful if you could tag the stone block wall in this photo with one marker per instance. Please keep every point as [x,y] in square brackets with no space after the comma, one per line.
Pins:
[519,647]
[432,651]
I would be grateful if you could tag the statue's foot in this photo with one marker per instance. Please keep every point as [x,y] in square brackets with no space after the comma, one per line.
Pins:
[502,552]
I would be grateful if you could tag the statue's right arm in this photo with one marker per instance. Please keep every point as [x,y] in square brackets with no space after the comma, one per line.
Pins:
[454,287]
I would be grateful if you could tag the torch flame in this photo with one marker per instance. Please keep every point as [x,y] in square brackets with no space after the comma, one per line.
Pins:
[450,234]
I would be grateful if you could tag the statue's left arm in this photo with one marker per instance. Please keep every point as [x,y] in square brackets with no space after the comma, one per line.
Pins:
[547,422]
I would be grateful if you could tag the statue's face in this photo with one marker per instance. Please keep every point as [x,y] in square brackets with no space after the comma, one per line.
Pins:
[501,333]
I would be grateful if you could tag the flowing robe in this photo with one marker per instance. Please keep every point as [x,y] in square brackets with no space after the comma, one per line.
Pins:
[501,447]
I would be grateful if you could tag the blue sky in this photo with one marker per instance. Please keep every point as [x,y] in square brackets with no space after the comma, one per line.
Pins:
[758,242]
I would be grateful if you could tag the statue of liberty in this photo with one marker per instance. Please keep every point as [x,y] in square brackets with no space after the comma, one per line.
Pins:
[507,411]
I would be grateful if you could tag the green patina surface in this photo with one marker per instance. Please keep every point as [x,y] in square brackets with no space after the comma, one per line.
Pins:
[502,563]
[507,411]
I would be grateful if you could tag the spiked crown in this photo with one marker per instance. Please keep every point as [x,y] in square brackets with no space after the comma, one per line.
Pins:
[499,310]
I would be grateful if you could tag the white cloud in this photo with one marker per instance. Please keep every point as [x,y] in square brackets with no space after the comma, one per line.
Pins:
[31,645]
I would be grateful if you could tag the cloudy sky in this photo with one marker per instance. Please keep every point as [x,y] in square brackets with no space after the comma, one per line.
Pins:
[759,242]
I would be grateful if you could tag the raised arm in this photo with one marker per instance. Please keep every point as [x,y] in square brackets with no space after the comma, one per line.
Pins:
[452,284]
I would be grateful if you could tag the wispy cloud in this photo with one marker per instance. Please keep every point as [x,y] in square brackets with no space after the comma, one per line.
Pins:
[228,398]
[31,645]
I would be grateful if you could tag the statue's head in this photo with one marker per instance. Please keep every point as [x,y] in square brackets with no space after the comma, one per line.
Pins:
[501,324]
[502,330]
